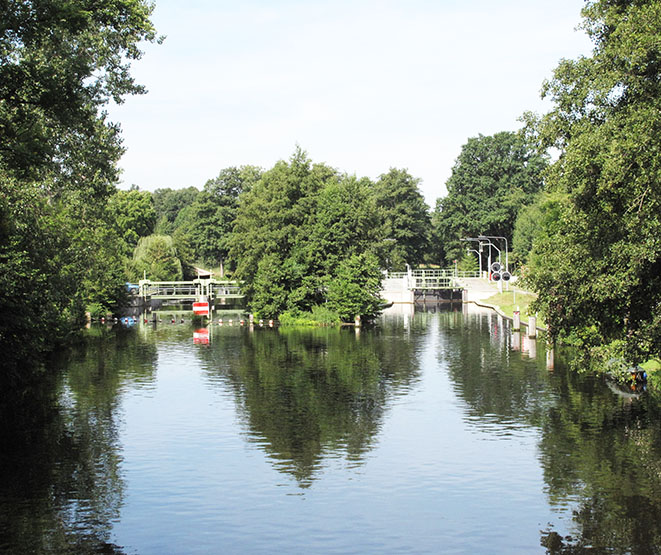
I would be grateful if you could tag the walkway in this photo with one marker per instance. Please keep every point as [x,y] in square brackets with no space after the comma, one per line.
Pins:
[478,289]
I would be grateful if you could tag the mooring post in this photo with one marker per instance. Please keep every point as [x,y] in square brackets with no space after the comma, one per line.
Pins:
[550,356]
[516,325]
[532,326]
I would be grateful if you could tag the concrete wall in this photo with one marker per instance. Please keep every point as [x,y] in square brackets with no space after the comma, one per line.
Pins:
[396,290]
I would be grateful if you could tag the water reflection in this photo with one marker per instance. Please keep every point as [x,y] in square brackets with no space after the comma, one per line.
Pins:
[61,487]
[306,400]
[307,394]
[601,453]
[497,378]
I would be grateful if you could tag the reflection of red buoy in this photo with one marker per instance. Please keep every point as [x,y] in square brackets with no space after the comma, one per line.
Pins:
[201,336]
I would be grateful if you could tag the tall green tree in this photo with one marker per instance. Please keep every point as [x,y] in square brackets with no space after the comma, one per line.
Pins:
[156,258]
[599,275]
[406,224]
[208,221]
[271,227]
[133,216]
[492,179]
[168,203]
[345,222]
[60,62]
[356,287]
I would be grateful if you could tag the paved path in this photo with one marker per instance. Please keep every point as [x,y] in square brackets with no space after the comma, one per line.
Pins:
[479,289]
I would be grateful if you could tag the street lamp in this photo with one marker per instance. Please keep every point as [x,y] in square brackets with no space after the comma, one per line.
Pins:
[486,237]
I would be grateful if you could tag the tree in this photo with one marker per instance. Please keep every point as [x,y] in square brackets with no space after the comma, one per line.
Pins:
[355,288]
[156,257]
[168,203]
[60,62]
[406,224]
[534,222]
[345,222]
[133,215]
[208,220]
[492,179]
[272,223]
[294,232]
[599,273]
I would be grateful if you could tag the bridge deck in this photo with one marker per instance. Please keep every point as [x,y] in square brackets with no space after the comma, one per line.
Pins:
[190,290]
[432,279]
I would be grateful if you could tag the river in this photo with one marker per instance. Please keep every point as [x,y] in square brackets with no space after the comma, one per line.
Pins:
[436,431]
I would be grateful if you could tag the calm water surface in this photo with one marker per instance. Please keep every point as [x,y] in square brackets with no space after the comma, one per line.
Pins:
[435,432]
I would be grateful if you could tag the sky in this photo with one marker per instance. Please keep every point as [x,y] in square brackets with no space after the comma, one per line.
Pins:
[361,85]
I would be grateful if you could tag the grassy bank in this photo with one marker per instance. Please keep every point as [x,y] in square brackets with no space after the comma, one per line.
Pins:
[509,301]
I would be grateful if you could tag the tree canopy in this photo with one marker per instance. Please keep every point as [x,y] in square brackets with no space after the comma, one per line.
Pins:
[492,179]
[60,62]
[598,273]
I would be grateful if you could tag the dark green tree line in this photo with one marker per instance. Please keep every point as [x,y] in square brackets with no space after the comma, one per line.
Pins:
[598,269]
[492,179]
[60,62]
[307,235]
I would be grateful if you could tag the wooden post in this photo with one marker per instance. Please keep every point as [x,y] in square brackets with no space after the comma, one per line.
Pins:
[516,325]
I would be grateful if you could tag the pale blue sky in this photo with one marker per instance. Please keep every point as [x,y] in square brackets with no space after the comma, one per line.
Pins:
[360,85]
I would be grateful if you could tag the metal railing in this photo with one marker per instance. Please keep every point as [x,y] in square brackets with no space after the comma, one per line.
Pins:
[190,290]
[433,278]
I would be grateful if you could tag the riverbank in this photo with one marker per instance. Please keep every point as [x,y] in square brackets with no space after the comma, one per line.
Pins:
[488,294]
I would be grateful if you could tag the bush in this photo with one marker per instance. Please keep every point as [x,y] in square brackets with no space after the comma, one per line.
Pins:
[319,316]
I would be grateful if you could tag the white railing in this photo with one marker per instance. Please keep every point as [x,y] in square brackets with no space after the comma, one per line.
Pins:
[433,278]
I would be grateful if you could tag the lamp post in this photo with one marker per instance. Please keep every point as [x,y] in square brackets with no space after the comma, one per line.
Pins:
[479,253]
[488,242]
[483,237]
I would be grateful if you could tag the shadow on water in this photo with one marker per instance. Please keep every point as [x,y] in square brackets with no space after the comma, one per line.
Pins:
[61,489]
[600,452]
[308,394]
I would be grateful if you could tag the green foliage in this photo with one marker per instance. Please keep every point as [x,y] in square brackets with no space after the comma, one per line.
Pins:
[270,233]
[405,220]
[345,222]
[318,316]
[133,215]
[468,263]
[156,257]
[294,230]
[207,222]
[355,288]
[599,273]
[168,203]
[535,222]
[60,62]
[492,179]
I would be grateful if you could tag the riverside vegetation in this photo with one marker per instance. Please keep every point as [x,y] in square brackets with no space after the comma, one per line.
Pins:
[308,241]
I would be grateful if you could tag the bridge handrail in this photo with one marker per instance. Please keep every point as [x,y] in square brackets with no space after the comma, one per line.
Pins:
[433,272]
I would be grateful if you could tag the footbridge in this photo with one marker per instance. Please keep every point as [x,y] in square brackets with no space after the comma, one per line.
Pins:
[190,290]
[423,284]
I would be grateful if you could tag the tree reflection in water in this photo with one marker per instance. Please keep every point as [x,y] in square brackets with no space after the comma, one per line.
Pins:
[61,487]
[600,452]
[306,394]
